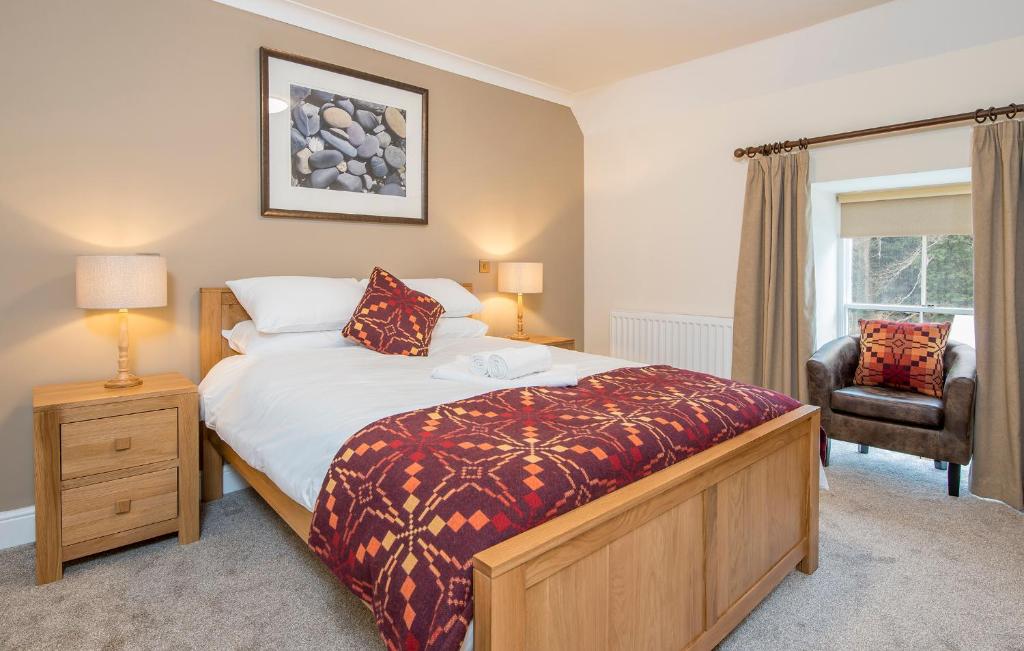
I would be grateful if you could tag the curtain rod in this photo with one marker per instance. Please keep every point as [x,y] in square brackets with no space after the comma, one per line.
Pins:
[979,116]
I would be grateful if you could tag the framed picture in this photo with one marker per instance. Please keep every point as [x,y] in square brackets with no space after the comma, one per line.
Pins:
[340,144]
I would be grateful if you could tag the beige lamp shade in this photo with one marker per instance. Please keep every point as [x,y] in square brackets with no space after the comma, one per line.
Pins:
[521,277]
[120,281]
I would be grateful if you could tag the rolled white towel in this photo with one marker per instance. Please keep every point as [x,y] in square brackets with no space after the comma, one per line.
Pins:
[559,375]
[478,364]
[512,363]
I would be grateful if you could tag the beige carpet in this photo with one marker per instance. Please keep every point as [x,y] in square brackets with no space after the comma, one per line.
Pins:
[903,566]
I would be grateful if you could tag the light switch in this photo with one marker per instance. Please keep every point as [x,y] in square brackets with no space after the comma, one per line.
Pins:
[485,266]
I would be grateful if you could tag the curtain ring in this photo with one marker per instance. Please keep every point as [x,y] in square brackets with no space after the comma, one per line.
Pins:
[992,115]
[751,152]
[1012,111]
[979,116]
[788,146]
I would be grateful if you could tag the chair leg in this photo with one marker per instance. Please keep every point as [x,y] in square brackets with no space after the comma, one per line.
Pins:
[954,479]
[940,465]
[863,449]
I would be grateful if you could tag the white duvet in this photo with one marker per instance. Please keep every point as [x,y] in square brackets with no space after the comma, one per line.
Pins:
[287,414]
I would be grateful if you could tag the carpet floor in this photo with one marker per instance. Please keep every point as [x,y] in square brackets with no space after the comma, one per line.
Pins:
[903,566]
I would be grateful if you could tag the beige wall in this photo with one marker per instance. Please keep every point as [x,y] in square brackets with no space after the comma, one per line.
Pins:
[133,126]
[663,208]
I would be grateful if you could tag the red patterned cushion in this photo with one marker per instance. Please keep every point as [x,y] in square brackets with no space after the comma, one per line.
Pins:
[902,355]
[393,319]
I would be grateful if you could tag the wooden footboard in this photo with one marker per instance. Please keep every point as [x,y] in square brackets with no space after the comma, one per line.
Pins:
[673,561]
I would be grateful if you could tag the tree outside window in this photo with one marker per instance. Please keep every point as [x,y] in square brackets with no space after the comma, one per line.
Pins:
[917,278]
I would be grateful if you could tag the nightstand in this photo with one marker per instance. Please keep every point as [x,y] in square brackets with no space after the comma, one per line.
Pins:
[546,340]
[113,467]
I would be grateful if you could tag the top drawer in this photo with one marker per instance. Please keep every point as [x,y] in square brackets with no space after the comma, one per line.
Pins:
[100,445]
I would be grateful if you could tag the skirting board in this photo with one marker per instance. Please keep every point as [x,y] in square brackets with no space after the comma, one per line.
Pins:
[18,526]
[232,480]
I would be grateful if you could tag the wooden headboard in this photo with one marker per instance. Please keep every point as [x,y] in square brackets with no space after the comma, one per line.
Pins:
[220,310]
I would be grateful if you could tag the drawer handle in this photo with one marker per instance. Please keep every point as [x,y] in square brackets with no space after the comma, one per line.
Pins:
[122,444]
[122,506]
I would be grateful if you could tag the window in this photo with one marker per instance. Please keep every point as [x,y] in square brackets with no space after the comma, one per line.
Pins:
[907,278]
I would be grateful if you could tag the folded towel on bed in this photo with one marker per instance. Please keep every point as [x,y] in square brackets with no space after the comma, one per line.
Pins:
[559,375]
[478,363]
[511,363]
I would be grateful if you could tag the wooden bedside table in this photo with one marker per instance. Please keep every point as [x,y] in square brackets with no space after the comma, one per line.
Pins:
[113,467]
[546,340]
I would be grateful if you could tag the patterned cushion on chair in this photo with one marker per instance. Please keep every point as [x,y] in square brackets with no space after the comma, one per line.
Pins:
[393,319]
[902,355]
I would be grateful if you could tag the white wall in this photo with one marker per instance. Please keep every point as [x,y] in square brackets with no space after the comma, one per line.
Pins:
[663,194]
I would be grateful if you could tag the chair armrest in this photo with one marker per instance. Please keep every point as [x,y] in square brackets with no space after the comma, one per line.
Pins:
[959,388]
[830,368]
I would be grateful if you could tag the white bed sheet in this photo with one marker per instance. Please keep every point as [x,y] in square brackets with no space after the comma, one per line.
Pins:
[287,414]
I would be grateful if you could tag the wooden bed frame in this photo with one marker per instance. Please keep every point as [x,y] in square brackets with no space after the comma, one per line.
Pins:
[673,561]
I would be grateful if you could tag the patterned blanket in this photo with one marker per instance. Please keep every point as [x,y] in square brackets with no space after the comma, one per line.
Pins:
[410,499]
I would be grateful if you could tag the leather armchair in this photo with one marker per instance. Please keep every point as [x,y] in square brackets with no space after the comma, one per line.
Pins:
[902,421]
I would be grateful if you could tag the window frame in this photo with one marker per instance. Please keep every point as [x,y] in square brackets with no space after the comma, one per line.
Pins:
[846,289]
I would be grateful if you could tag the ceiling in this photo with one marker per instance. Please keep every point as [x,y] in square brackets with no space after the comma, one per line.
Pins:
[575,45]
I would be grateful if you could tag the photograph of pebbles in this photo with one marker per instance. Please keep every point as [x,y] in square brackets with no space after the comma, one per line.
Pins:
[346,144]
[340,144]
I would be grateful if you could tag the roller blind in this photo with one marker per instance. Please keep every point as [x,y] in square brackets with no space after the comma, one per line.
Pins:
[944,215]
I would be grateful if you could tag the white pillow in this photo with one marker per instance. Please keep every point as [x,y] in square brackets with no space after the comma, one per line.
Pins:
[458,328]
[298,303]
[246,339]
[456,299]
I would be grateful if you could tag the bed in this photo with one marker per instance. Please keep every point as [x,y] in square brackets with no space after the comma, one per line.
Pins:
[674,560]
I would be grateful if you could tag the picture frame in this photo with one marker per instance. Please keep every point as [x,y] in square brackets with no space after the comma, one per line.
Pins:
[340,144]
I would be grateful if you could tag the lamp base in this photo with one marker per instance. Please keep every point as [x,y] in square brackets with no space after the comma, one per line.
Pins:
[519,336]
[123,381]
[124,378]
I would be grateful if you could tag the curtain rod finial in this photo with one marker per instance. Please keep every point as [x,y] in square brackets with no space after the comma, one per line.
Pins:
[740,152]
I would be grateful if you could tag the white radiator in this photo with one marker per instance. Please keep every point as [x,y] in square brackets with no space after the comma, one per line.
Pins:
[697,343]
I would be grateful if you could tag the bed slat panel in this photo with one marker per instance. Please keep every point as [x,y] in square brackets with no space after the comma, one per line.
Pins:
[756,522]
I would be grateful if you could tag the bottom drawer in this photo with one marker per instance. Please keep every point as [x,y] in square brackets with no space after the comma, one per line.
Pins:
[101,509]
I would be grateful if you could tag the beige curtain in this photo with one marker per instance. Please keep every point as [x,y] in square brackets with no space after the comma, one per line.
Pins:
[773,329]
[996,179]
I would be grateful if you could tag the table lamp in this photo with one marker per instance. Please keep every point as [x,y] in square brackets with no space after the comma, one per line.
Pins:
[120,282]
[520,278]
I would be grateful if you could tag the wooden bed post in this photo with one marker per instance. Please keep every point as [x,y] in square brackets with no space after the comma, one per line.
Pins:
[809,563]
[505,594]
[210,324]
[211,320]
[213,470]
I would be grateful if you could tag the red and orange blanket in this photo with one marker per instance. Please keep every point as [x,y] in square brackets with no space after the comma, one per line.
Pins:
[410,499]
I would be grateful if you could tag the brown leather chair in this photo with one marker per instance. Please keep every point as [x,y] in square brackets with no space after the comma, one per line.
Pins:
[902,421]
